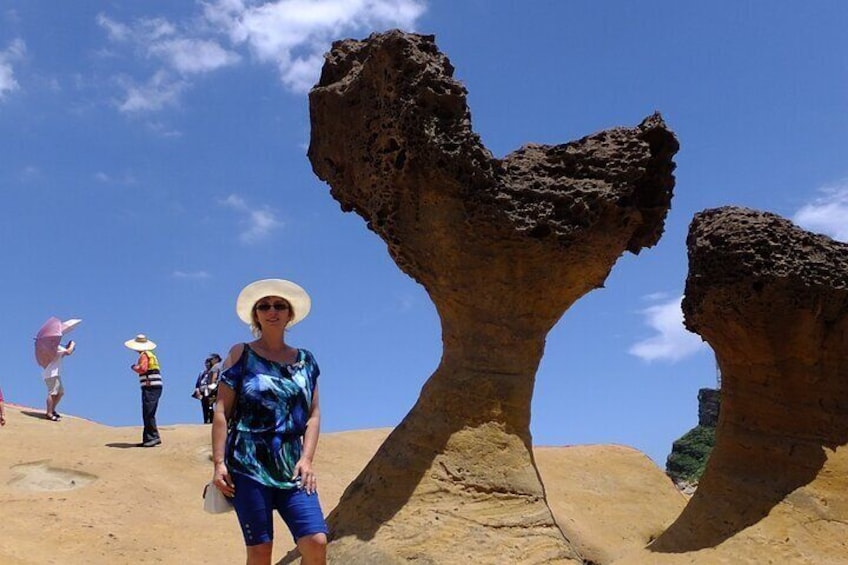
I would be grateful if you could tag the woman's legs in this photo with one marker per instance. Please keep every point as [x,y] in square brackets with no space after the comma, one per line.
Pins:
[253,506]
[313,549]
[260,554]
[302,514]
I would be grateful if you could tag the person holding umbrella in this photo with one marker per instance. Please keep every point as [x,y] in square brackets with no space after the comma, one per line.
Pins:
[52,378]
[150,378]
[49,354]
[2,410]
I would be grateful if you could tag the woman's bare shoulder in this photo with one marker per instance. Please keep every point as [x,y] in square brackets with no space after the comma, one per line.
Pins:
[233,356]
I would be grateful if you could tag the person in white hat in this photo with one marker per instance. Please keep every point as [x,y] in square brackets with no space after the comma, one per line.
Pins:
[268,393]
[150,379]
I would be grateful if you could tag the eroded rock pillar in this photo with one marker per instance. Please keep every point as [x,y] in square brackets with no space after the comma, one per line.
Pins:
[772,301]
[503,247]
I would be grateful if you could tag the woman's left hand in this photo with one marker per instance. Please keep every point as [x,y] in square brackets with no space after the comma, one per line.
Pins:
[309,482]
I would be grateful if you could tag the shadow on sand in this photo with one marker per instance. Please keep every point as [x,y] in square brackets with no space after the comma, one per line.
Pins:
[34,414]
[122,445]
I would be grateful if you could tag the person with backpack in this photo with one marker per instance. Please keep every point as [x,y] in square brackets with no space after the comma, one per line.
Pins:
[266,424]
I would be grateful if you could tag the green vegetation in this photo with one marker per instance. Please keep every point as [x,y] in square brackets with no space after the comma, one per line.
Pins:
[690,453]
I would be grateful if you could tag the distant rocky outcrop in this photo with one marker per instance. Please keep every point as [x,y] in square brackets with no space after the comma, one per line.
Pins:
[689,454]
[709,407]
[772,301]
[503,247]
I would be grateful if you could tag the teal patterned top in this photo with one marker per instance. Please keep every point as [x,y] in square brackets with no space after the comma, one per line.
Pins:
[273,402]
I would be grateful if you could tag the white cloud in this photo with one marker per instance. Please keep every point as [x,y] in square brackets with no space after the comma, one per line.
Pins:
[142,32]
[14,52]
[179,56]
[293,35]
[115,30]
[106,178]
[672,341]
[12,16]
[194,55]
[301,74]
[154,29]
[163,130]
[257,224]
[163,89]
[30,173]
[261,223]
[197,275]
[235,202]
[655,296]
[827,214]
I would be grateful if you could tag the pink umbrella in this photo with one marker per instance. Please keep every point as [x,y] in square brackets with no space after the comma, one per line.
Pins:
[47,341]
[68,325]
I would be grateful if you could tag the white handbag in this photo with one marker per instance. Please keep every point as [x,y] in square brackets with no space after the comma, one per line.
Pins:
[214,500]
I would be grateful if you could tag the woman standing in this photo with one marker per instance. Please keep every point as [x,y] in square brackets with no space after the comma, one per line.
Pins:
[150,379]
[268,393]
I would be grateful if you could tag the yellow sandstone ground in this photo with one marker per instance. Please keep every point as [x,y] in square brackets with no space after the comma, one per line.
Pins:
[76,491]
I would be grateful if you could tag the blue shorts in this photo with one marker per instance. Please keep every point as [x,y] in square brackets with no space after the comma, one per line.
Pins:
[255,504]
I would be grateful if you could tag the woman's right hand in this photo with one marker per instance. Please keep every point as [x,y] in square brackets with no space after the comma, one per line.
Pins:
[223,481]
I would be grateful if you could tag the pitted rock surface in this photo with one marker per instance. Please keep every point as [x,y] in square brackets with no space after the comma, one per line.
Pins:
[772,301]
[503,247]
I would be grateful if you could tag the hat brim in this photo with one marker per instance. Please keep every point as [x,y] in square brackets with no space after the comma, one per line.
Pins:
[293,293]
[139,345]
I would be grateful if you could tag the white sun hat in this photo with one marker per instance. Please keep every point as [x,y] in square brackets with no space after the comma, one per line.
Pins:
[140,343]
[291,292]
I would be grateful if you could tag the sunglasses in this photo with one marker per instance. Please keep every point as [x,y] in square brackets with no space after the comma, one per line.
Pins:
[279,306]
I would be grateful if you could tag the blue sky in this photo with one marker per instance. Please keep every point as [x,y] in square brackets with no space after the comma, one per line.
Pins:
[154,162]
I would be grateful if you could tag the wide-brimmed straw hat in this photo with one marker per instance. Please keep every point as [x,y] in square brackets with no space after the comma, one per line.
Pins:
[140,343]
[291,292]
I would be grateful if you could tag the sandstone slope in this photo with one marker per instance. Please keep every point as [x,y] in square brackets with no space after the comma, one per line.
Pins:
[78,492]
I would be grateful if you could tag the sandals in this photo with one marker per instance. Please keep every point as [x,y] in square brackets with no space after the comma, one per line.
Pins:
[52,417]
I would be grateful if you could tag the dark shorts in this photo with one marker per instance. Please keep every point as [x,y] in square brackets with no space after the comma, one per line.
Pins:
[255,504]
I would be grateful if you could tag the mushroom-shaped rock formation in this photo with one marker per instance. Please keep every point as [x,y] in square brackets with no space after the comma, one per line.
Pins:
[772,301]
[503,247]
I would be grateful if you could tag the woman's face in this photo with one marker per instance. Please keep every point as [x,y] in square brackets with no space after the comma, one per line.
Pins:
[271,310]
